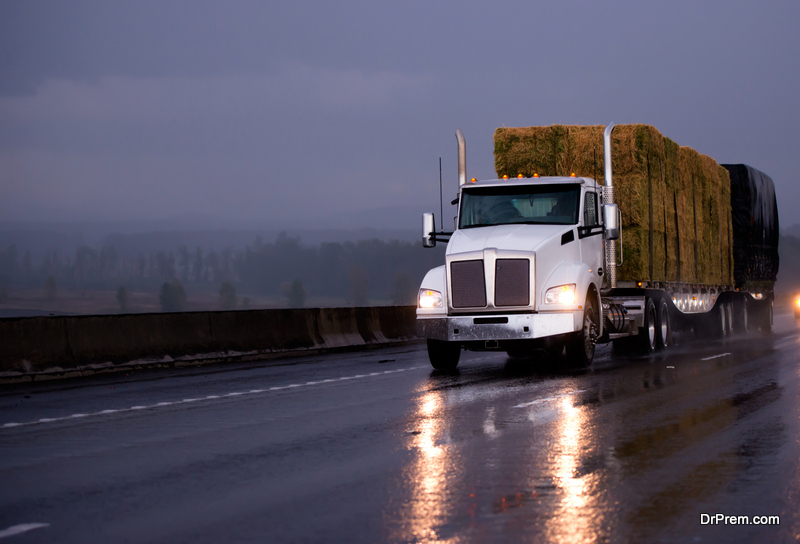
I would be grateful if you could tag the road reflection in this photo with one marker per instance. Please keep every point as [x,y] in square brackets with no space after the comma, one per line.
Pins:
[432,474]
[576,517]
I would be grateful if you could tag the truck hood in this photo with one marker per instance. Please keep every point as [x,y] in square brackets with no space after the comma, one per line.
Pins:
[508,237]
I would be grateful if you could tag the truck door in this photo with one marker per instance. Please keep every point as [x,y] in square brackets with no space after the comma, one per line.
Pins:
[591,234]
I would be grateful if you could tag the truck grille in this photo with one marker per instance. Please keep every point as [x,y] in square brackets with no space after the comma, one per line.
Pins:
[469,284]
[512,282]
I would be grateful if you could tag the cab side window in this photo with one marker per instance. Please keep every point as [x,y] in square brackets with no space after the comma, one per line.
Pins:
[590,210]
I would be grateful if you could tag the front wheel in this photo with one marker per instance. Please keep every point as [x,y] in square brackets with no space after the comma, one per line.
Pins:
[580,349]
[443,355]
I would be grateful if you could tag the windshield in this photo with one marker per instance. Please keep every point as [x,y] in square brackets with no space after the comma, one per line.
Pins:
[545,205]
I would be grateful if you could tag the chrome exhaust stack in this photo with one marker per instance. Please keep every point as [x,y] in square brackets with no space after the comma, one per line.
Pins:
[608,198]
[462,158]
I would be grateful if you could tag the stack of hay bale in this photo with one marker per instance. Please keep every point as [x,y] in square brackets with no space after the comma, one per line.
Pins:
[675,202]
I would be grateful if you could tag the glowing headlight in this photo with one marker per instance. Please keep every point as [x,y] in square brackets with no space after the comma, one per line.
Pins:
[797,302]
[430,299]
[563,294]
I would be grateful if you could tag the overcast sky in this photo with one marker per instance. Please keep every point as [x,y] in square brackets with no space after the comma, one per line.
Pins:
[301,112]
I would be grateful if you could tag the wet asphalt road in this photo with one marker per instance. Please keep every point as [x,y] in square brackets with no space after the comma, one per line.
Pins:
[375,447]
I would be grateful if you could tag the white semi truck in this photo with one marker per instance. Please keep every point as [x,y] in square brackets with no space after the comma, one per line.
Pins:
[531,268]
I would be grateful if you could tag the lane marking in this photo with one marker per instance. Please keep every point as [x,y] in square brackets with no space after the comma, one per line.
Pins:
[715,356]
[22,528]
[548,399]
[201,399]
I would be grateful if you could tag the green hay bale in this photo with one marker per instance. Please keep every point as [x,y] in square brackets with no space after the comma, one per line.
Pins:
[689,161]
[671,211]
[726,233]
[680,238]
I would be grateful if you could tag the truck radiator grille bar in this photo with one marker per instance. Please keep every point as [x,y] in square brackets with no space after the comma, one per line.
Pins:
[469,284]
[512,285]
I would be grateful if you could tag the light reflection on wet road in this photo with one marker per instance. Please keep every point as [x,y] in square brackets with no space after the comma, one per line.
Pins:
[634,450]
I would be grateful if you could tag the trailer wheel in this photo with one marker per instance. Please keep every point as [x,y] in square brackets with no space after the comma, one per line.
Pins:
[664,326]
[648,334]
[443,355]
[729,316]
[767,317]
[580,348]
[741,320]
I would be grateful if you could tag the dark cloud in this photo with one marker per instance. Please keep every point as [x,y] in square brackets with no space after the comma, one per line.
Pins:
[299,110]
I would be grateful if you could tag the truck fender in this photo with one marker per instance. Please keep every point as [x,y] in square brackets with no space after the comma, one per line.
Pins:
[578,273]
[435,281]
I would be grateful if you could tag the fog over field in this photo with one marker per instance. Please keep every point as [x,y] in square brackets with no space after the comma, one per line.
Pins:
[155,126]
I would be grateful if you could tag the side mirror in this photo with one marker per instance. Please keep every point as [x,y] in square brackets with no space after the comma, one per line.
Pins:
[428,230]
[611,221]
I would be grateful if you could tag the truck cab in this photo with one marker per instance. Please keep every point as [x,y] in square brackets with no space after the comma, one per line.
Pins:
[523,270]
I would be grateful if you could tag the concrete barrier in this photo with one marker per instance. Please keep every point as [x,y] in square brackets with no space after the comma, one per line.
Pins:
[62,346]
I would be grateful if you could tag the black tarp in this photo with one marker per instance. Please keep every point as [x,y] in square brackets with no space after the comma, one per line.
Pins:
[754,215]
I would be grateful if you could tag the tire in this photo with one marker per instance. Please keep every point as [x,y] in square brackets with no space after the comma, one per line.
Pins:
[729,314]
[443,355]
[722,321]
[553,351]
[580,348]
[647,334]
[664,326]
[767,317]
[741,318]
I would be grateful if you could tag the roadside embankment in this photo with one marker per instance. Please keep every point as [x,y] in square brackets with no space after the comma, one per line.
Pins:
[34,348]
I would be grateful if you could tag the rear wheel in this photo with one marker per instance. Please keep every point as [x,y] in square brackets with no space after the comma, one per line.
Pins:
[767,317]
[580,349]
[729,314]
[741,319]
[443,355]
[719,321]
[648,334]
[664,326]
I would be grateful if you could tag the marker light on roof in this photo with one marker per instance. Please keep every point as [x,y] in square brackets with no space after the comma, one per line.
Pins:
[505,176]
[520,176]
[535,175]
[473,180]
[572,175]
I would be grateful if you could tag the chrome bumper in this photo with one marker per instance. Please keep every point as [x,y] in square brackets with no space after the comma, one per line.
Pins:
[498,327]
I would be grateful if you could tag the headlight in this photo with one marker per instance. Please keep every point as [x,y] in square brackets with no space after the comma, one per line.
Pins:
[430,299]
[797,302]
[563,294]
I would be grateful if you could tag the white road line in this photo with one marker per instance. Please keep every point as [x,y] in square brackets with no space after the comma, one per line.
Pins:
[22,528]
[209,397]
[715,356]
[548,399]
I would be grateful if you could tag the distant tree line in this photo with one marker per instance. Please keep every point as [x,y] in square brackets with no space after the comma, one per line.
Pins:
[353,271]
